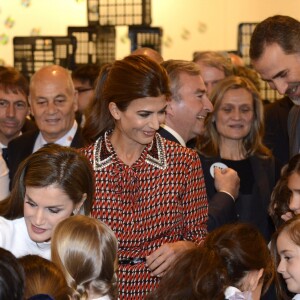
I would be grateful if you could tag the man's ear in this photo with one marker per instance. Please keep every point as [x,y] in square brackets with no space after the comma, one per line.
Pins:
[170,108]
[114,110]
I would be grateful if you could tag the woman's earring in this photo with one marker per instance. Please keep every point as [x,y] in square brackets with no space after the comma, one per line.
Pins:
[75,211]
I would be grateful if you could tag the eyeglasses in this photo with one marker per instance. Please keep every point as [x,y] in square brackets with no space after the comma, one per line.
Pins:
[83,90]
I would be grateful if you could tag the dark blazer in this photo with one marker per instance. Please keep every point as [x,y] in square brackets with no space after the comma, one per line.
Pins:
[221,208]
[29,125]
[264,182]
[276,128]
[21,147]
[167,135]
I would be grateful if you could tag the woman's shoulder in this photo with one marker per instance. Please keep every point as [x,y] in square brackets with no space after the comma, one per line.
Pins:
[15,224]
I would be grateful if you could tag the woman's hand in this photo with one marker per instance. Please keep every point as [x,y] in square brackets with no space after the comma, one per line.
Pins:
[160,260]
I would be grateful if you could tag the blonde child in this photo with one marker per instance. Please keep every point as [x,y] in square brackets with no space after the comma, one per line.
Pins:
[85,249]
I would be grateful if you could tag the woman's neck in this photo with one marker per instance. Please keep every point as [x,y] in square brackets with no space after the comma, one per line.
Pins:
[232,149]
[126,149]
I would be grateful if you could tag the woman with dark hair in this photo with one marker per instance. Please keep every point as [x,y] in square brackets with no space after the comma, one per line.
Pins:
[233,137]
[285,198]
[150,191]
[51,184]
[11,276]
[234,262]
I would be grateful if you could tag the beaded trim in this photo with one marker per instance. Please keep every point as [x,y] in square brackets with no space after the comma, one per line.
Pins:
[156,155]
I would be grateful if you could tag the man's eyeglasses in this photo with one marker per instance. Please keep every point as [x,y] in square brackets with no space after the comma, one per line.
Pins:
[83,90]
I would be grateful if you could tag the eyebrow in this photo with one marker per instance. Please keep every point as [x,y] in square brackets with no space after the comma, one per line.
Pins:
[150,111]
[285,251]
[279,74]
[197,91]
[54,206]
[8,100]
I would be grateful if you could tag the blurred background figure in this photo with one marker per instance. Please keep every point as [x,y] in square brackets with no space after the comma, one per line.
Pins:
[14,108]
[214,67]
[84,78]
[236,60]
[4,179]
[151,53]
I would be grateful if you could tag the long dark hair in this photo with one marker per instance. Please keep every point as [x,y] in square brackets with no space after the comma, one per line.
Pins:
[280,197]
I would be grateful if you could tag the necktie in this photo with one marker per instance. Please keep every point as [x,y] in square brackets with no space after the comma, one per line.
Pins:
[5,155]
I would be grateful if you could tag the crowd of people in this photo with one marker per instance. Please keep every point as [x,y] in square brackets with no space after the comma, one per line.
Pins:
[152,179]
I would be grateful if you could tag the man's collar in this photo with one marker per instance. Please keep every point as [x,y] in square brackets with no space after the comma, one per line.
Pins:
[175,134]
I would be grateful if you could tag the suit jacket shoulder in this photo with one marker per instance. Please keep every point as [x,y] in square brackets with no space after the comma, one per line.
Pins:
[19,149]
[29,125]
[167,135]
[78,140]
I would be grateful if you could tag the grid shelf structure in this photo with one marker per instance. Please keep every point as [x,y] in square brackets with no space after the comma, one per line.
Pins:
[119,12]
[95,44]
[141,36]
[32,53]
[245,31]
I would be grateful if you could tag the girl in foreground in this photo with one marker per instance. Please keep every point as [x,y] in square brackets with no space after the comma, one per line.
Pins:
[286,252]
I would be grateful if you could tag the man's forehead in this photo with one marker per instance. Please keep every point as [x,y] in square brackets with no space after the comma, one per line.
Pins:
[12,94]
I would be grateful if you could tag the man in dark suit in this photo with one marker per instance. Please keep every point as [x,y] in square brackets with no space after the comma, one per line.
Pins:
[274,53]
[14,107]
[186,111]
[276,128]
[53,102]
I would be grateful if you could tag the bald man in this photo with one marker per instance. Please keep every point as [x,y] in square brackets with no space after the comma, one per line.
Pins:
[153,54]
[53,102]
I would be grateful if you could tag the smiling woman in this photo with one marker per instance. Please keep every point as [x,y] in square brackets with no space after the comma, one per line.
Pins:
[150,191]
[233,136]
[51,185]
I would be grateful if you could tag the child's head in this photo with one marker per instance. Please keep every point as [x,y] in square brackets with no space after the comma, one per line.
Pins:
[11,276]
[43,277]
[286,253]
[244,254]
[86,251]
[232,255]
[285,196]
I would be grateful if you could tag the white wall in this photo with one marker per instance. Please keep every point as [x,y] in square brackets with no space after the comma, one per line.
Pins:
[182,21]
